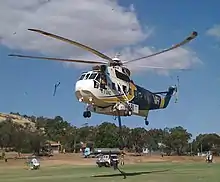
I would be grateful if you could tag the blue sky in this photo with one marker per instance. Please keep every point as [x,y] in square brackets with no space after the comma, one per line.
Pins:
[198,105]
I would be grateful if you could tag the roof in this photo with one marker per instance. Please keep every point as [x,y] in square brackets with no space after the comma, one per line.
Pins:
[106,150]
[53,143]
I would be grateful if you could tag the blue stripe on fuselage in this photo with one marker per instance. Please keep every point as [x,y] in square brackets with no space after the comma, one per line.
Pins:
[146,99]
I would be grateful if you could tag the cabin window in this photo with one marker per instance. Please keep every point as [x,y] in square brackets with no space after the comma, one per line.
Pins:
[122,76]
[103,81]
[135,94]
[140,95]
[96,84]
[113,86]
[123,70]
[97,77]
[119,89]
[145,97]
[130,91]
[92,76]
[124,88]
[82,76]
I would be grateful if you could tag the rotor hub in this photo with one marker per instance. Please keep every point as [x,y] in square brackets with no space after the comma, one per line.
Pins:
[116,59]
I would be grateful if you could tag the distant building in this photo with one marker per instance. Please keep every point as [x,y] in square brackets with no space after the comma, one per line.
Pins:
[55,146]
[106,150]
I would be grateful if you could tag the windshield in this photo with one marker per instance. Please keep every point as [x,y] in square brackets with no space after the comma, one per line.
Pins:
[98,77]
[92,76]
[82,76]
[87,76]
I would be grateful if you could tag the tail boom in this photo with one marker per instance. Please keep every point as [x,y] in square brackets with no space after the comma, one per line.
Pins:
[164,102]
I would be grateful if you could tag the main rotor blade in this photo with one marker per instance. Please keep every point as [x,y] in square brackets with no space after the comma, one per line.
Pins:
[158,67]
[57,59]
[73,42]
[187,40]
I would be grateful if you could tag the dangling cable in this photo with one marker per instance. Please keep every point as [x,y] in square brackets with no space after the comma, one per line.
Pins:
[55,88]
[121,143]
[177,90]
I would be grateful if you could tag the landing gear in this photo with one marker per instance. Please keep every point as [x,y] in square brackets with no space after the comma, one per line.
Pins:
[128,113]
[146,121]
[87,114]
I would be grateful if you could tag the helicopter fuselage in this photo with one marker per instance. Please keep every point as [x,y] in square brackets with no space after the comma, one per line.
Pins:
[102,89]
[108,89]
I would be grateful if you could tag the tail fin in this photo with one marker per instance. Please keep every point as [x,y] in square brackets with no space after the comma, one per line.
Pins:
[168,96]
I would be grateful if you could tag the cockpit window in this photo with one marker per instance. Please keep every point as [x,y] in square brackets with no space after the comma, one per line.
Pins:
[92,76]
[87,76]
[82,76]
[98,77]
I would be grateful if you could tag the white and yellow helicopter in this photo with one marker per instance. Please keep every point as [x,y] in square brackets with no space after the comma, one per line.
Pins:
[108,88]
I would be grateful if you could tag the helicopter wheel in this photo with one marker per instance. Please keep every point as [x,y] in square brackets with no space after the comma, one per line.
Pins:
[128,113]
[87,114]
[146,122]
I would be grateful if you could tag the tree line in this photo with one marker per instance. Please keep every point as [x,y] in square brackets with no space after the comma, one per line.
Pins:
[170,141]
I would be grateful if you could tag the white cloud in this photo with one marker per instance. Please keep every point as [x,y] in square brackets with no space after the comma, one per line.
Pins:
[214,31]
[102,24]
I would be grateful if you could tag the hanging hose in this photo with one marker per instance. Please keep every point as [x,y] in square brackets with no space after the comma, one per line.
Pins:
[121,145]
[177,89]
[177,85]
[55,88]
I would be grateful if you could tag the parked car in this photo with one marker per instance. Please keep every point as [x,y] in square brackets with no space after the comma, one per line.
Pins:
[104,160]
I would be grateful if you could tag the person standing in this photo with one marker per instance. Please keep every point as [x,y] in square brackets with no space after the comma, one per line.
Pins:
[122,160]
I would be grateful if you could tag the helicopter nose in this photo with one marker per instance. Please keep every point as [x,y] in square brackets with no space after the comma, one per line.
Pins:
[83,89]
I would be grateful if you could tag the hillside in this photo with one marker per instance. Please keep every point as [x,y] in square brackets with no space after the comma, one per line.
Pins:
[17,119]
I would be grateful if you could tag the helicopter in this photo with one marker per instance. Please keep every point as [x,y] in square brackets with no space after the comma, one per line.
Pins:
[108,88]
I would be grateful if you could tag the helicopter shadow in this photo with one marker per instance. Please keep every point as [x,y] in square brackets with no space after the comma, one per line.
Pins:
[130,173]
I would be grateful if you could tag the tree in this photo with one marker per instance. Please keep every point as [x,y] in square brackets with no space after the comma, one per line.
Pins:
[27,138]
[107,136]
[156,137]
[36,141]
[177,139]
[139,139]
[206,142]
[8,131]
[124,137]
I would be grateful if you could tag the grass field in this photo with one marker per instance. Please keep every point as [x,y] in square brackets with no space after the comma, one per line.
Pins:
[151,172]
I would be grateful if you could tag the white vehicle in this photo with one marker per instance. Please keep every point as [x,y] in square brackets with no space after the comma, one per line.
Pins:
[104,160]
[34,164]
[209,157]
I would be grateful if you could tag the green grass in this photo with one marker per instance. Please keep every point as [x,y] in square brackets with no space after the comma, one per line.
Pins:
[201,172]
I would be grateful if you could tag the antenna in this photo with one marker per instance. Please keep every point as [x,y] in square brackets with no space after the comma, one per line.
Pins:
[116,58]
[118,54]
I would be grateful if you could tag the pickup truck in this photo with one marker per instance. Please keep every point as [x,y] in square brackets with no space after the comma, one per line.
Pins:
[104,160]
